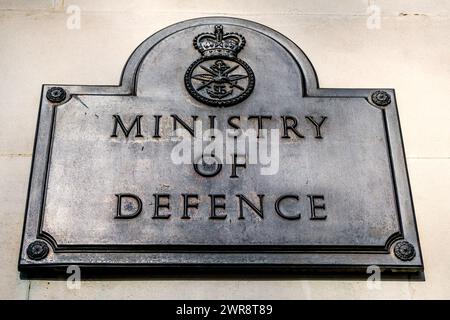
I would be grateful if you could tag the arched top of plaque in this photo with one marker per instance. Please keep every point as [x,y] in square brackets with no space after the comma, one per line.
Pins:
[174,59]
[264,65]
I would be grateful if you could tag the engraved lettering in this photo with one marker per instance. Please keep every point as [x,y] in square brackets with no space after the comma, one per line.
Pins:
[212,120]
[281,213]
[236,165]
[137,211]
[191,129]
[315,206]
[317,125]
[126,132]
[232,124]
[187,204]
[215,206]
[157,121]
[158,205]
[209,168]
[292,126]
[260,122]
[259,211]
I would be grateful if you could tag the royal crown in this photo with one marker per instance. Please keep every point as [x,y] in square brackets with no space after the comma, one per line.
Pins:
[218,43]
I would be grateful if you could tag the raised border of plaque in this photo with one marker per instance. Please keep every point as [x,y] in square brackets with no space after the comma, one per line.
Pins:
[39,251]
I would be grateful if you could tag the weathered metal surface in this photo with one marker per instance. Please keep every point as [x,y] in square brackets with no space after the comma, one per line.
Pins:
[340,199]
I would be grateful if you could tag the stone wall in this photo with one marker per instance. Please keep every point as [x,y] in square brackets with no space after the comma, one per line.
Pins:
[406,48]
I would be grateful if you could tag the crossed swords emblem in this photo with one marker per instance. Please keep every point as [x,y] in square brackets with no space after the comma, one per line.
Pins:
[218,76]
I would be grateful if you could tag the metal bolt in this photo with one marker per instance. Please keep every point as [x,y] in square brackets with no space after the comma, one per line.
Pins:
[37,250]
[56,94]
[404,251]
[381,98]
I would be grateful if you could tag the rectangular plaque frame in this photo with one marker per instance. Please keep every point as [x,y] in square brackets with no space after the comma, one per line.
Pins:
[400,252]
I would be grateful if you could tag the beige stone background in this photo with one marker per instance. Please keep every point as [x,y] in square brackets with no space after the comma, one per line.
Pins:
[409,52]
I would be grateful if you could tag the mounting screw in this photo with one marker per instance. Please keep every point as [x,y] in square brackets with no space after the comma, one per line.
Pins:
[56,94]
[37,250]
[381,98]
[404,251]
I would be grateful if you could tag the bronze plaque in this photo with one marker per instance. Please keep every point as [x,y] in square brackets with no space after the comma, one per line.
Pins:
[219,150]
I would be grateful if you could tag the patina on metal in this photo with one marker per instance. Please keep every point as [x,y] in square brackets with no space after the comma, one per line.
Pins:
[105,192]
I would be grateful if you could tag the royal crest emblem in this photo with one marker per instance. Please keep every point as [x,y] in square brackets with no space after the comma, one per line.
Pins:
[219,78]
